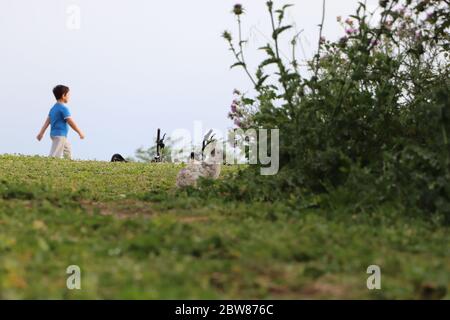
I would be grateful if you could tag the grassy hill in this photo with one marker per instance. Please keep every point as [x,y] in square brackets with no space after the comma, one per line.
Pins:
[134,236]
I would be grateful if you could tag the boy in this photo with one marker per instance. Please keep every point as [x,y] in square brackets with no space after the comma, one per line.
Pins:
[60,119]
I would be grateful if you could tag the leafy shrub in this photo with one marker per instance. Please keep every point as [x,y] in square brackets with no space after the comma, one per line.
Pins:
[376,100]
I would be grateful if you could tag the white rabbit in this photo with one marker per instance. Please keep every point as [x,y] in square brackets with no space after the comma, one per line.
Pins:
[209,168]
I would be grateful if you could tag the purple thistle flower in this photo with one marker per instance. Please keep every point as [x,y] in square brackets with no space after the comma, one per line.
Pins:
[374,42]
[350,31]
[418,36]
[401,10]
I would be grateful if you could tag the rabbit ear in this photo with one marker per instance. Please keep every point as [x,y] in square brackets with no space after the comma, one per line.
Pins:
[208,135]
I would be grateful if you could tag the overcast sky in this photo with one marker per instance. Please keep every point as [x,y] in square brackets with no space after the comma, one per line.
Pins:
[133,66]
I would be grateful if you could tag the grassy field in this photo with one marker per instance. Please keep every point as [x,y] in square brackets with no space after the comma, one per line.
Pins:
[135,237]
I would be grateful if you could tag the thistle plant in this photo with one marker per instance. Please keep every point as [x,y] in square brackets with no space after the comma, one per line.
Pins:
[287,78]
[375,100]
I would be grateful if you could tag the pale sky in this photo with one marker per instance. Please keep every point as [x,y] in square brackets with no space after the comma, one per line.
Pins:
[133,66]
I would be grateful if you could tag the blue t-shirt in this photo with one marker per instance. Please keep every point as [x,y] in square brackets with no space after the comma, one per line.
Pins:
[58,120]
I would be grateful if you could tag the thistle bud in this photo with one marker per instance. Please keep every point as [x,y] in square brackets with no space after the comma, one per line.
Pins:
[384,3]
[343,41]
[227,36]
[238,9]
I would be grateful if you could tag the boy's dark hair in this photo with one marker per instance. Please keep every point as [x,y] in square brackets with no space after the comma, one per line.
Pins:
[60,91]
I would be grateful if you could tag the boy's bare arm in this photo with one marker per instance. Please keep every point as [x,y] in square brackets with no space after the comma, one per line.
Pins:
[44,128]
[75,128]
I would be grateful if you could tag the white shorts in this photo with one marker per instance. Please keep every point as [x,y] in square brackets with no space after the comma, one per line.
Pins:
[61,147]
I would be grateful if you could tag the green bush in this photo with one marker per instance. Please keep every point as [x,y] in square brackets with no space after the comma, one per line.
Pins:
[376,101]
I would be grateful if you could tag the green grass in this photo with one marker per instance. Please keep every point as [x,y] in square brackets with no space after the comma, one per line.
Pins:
[135,237]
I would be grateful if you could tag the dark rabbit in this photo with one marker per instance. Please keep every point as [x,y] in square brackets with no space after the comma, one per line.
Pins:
[118,158]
